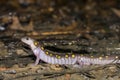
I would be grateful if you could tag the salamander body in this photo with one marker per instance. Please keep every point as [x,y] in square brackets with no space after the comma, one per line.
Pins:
[70,59]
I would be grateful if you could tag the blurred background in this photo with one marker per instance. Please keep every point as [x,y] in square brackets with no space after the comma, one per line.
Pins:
[60,15]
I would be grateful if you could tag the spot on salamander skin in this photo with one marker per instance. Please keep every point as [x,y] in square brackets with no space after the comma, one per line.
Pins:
[91,56]
[42,48]
[59,57]
[47,53]
[81,55]
[73,55]
[51,54]
[36,43]
[100,58]
[66,56]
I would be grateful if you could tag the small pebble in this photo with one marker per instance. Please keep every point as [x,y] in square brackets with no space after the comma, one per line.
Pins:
[38,71]
[25,73]
[10,72]
[70,43]
[113,69]
[2,28]
[20,52]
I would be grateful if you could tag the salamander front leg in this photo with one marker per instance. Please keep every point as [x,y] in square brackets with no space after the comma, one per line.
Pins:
[37,61]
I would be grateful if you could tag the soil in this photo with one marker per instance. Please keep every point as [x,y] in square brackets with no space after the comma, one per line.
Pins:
[85,27]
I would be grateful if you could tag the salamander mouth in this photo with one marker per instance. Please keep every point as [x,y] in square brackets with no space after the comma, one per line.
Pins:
[25,46]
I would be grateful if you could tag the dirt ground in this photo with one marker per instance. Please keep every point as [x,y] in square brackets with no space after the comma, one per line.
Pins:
[85,27]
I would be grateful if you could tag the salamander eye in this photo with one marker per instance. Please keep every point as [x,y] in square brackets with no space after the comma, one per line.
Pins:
[36,43]
[27,38]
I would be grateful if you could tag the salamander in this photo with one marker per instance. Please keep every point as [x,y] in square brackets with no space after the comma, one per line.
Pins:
[70,59]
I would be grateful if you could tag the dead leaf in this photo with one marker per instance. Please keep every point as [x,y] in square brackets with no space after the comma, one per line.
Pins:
[17,26]
[116,11]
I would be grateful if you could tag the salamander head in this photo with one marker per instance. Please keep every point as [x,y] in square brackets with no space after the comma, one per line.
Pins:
[31,42]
